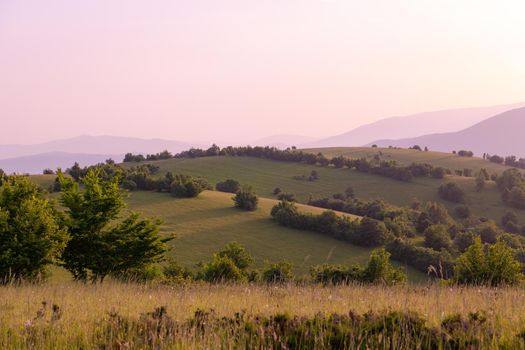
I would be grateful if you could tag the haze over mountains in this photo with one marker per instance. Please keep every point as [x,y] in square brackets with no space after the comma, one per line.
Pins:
[501,134]
[414,125]
[494,130]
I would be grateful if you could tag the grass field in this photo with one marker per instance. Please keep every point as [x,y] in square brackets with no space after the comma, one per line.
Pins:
[408,156]
[264,175]
[203,225]
[85,310]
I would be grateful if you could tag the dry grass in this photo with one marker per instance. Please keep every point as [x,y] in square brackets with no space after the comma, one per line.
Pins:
[84,306]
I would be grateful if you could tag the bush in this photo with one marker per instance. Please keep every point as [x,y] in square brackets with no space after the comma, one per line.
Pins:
[246,199]
[463,212]
[175,273]
[184,186]
[229,186]
[230,264]
[451,192]
[488,232]
[372,232]
[493,266]
[221,269]
[129,185]
[437,237]
[277,190]
[277,272]
[438,173]
[289,197]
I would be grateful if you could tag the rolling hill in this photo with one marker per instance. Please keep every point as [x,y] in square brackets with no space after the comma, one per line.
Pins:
[502,134]
[413,126]
[264,175]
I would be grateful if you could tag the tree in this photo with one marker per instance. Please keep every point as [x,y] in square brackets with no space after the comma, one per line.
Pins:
[229,186]
[246,199]
[437,237]
[230,264]
[102,243]
[280,272]
[463,211]
[379,269]
[373,232]
[488,232]
[31,233]
[438,173]
[451,192]
[183,186]
[492,266]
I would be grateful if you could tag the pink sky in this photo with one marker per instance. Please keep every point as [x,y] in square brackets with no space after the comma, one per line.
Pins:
[241,69]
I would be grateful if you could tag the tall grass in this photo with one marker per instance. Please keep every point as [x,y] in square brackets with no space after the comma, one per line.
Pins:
[80,316]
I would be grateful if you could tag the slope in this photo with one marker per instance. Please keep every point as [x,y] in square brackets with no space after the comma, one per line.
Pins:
[413,125]
[501,134]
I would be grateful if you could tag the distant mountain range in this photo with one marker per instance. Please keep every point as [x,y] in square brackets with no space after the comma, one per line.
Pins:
[94,145]
[502,134]
[413,125]
[35,164]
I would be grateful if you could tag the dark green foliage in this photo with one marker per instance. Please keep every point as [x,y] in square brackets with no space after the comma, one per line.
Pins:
[31,233]
[424,259]
[230,264]
[229,186]
[48,171]
[289,197]
[492,266]
[101,244]
[367,232]
[175,273]
[378,270]
[512,186]
[279,272]
[129,185]
[130,157]
[464,153]
[246,199]
[437,237]
[451,192]
[463,212]
[463,240]
[488,232]
[3,177]
[438,173]
[184,186]
[372,233]
[277,190]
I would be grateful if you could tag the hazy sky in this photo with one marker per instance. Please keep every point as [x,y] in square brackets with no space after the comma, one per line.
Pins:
[215,70]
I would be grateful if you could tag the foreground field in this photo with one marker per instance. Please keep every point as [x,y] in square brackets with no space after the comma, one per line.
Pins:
[85,315]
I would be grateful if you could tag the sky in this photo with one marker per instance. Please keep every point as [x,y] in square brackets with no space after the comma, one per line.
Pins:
[214,70]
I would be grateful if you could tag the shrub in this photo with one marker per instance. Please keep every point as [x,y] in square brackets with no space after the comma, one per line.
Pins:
[493,266]
[488,232]
[438,173]
[221,269]
[187,186]
[372,232]
[175,273]
[129,185]
[463,212]
[246,199]
[277,272]
[277,190]
[289,197]
[451,192]
[379,269]
[437,237]
[48,172]
[229,186]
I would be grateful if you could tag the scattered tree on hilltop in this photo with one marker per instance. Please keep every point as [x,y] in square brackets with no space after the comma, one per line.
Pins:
[246,199]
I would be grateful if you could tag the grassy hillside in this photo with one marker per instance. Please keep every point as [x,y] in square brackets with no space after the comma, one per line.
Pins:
[265,175]
[203,225]
[407,156]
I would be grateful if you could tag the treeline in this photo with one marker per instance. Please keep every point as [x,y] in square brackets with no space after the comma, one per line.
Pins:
[375,166]
[512,161]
